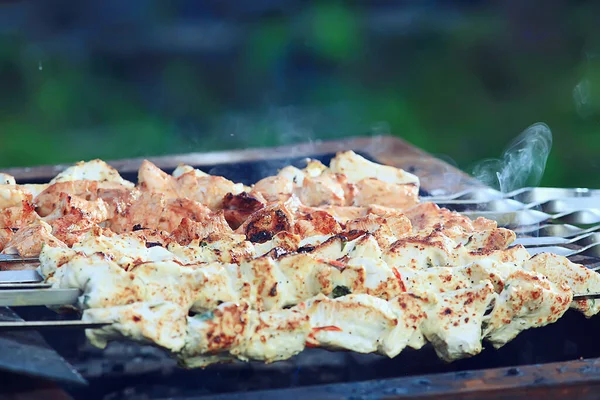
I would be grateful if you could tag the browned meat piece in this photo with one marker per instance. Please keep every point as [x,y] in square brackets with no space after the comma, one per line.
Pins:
[238,207]
[326,189]
[397,226]
[28,241]
[13,196]
[6,235]
[428,216]
[274,188]
[373,191]
[49,199]
[145,212]
[315,222]
[153,179]
[178,209]
[344,213]
[188,230]
[74,216]
[208,190]
[265,223]
[18,216]
[118,199]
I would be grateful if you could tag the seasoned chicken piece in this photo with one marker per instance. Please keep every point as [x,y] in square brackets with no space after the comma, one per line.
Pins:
[274,188]
[102,281]
[374,191]
[385,230]
[305,278]
[96,210]
[529,300]
[192,287]
[315,222]
[321,190]
[454,321]
[126,249]
[294,175]
[344,213]
[184,169]
[434,250]
[438,250]
[34,189]
[364,324]
[145,212]
[267,222]
[153,179]
[222,248]
[118,200]
[160,323]
[74,216]
[427,217]
[95,170]
[13,196]
[580,279]
[373,277]
[237,208]
[357,168]
[49,199]
[285,241]
[483,241]
[177,210]
[18,216]
[29,240]
[449,279]
[208,190]
[6,179]
[6,235]
[210,224]
[235,331]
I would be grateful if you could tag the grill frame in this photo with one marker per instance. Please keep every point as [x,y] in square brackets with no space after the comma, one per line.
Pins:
[575,378]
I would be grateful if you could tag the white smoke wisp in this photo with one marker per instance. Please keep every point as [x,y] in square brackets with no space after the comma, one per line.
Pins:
[522,164]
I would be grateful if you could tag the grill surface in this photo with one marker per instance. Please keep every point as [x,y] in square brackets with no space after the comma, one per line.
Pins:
[127,370]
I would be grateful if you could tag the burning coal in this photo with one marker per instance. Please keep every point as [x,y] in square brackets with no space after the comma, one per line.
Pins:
[522,163]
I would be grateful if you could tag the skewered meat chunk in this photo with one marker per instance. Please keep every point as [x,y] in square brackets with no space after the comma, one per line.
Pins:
[29,240]
[18,216]
[95,170]
[5,235]
[153,179]
[529,300]
[6,179]
[235,331]
[373,191]
[49,199]
[162,323]
[238,207]
[208,190]
[454,321]
[13,196]
[274,188]
[577,277]
[357,168]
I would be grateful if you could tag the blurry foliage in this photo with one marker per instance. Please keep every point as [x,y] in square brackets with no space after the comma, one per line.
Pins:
[463,91]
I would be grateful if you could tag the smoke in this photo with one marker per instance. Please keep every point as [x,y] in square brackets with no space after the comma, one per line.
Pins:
[522,163]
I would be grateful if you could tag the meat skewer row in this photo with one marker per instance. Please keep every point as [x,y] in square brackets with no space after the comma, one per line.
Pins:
[92,193]
[264,284]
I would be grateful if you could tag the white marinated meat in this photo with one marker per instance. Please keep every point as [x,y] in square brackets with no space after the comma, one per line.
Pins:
[162,323]
[529,300]
[454,321]
[95,170]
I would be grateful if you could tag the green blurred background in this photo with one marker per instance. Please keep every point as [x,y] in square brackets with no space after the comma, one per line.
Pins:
[460,79]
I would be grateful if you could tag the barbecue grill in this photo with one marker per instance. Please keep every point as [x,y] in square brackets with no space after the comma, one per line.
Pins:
[561,359]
